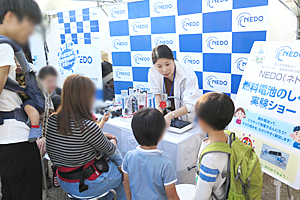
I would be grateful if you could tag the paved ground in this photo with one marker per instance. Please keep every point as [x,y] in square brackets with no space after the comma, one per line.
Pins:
[267,194]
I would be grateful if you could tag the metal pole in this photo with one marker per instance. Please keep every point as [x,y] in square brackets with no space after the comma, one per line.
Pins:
[278,184]
[290,197]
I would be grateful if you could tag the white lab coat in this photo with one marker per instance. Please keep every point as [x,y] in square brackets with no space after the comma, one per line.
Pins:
[186,87]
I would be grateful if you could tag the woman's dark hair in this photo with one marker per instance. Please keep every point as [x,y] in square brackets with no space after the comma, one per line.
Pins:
[21,8]
[216,109]
[47,70]
[148,125]
[77,94]
[161,51]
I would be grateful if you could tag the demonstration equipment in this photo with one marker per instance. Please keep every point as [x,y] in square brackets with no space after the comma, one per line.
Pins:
[177,125]
[134,100]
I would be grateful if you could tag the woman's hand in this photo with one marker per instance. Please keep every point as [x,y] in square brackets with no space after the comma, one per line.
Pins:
[109,136]
[105,118]
[168,118]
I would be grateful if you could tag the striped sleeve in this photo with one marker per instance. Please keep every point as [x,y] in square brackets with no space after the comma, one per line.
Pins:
[206,181]
[95,137]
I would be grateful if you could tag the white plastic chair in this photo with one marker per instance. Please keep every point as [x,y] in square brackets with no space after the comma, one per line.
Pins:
[185,191]
[70,196]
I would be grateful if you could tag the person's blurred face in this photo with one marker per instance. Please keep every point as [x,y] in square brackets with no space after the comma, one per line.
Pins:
[204,126]
[18,30]
[92,100]
[50,83]
[165,67]
[19,68]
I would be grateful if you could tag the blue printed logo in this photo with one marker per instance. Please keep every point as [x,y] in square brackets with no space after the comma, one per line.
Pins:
[120,73]
[241,63]
[114,12]
[286,51]
[161,40]
[117,44]
[158,6]
[142,88]
[213,41]
[211,3]
[136,26]
[189,60]
[67,58]
[245,18]
[85,59]
[187,23]
[138,58]
[212,81]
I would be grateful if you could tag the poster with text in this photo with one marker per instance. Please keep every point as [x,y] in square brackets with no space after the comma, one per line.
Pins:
[267,114]
[80,51]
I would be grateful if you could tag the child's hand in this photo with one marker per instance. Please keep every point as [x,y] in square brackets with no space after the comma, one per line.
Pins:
[41,143]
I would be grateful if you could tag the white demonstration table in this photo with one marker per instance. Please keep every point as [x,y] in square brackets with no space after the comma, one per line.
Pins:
[182,149]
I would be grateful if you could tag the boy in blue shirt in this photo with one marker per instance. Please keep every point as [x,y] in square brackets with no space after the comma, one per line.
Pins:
[147,174]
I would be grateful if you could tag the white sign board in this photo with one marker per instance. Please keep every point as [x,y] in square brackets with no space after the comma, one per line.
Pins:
[80,51]
[267,115]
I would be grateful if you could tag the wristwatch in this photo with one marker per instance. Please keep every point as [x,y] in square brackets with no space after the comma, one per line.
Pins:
[173,114]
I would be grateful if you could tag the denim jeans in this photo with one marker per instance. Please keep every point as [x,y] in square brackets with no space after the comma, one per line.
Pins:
[106,181]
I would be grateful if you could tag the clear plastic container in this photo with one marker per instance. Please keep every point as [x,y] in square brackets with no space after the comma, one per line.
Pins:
[142,100]
[124,94]
[150,100]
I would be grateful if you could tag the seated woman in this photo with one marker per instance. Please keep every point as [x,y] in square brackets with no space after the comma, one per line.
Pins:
[74,140]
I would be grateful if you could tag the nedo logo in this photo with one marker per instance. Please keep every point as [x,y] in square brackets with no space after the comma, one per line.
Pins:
[189,60]
[138,58]
[136,26]
[120,73]
[158,6]
[114,12]
[86,59]
[142,88]
[213,41]
[241,63]
[161,40]
[286,51]
[188,152]
[94,13]
[187,23]
[117,44]
[68,57]
[212,81]
[211,3]
[245,18]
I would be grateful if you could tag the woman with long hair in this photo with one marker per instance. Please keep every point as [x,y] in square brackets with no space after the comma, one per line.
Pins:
[176,79]
[74,140]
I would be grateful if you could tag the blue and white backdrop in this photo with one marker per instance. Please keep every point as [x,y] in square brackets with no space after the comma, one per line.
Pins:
[213,36]
[80,50]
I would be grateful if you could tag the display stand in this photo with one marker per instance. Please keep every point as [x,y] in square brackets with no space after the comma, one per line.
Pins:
[278,185]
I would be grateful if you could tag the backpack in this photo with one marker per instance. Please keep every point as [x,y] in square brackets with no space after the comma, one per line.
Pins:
[34,90]
[244,178]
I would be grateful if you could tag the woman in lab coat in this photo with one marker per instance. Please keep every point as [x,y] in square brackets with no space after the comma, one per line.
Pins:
[168,76]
